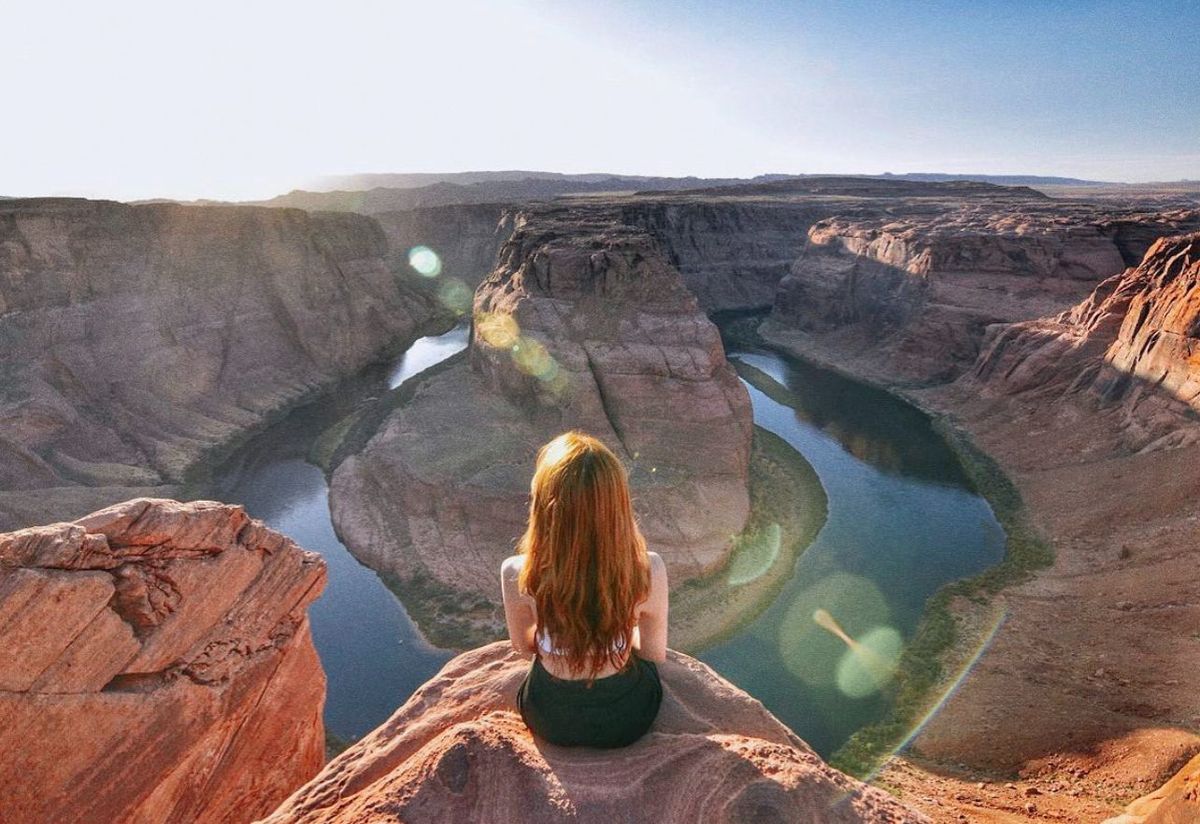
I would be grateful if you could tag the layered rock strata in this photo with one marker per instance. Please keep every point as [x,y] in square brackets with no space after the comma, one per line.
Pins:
[732,254]
[584,325]
[157,667]
[134,339]
[459,751]
[1134,343]
[924,286]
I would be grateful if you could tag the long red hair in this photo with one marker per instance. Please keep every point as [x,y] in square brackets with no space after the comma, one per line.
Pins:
[586,565]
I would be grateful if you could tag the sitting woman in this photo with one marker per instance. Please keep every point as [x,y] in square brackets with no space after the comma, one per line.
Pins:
[587,601]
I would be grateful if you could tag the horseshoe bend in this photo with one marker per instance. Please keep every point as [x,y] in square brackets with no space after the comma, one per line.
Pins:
[162,663]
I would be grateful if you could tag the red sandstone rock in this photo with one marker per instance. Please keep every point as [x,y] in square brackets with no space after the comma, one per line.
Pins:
[1176,802]
[157,667]
[1134,342]
[459,751]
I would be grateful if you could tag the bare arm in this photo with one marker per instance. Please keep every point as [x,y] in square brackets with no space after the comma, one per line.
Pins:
[652,620]
[519,612]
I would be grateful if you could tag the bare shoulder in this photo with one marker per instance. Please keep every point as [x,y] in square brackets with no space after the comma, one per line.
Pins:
[658,567]
[510,569]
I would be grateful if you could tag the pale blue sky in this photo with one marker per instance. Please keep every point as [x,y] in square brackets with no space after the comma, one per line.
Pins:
[247,99]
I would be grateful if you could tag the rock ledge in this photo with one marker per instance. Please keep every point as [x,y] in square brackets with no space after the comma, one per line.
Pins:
[459,751]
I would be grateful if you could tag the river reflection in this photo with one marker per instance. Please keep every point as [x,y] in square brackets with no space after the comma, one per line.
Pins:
[902,521]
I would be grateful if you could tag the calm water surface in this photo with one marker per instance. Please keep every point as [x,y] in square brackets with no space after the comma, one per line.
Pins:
[373,655]
[902,521]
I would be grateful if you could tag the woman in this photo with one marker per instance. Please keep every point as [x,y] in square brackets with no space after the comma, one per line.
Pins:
[586,601]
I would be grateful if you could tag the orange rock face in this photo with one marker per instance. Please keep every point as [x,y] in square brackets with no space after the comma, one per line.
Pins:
[157,667]
[1176,802]
[459,751]
[1135,342]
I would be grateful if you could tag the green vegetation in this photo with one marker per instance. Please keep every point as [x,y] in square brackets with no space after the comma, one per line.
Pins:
[922,667]
[788,507]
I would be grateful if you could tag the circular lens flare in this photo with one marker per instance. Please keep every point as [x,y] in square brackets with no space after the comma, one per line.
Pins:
[455,295]
[868,664]
[755,555]
[425,261]
[809,650]
[497,329]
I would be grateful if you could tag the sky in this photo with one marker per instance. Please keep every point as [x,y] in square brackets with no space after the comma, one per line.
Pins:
[243,100]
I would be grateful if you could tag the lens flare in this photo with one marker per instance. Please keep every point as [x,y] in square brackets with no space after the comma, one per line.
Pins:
[497,329]
[983,640]
[532,358]
[455,295]
[808,650]
[755,554]
[425,261]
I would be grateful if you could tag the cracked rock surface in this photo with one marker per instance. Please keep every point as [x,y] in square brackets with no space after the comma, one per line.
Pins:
[157,666]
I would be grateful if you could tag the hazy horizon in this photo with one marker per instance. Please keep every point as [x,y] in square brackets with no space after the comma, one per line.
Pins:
[135,100]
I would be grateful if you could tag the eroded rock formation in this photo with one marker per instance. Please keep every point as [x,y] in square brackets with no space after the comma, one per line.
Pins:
[1134,343]
[732,254]
[136,338]
[585,325]
[157,667]
[914,289]
[458,751]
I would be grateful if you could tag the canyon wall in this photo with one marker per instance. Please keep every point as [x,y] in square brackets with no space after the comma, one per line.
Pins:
[583,324]
[465,237]
[910,293]
[1134,343]
[137,338]
[733,253]
[157,667]
[459,751]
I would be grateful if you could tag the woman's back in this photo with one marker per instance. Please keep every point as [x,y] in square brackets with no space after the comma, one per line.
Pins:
[649,629]
[586,600]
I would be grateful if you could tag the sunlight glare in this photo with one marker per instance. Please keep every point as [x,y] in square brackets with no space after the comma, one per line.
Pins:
[425,261]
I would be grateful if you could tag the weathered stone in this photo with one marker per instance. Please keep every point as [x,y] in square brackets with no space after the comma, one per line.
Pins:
[178,686]
[458,750]
[582,325]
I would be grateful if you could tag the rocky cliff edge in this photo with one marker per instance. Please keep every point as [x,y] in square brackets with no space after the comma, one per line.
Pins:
[157,667]
[459,751]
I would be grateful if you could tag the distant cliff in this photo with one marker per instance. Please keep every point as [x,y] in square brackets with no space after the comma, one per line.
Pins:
[1134,343]
[137,338]
[458,751]
[157,667]
[911,292]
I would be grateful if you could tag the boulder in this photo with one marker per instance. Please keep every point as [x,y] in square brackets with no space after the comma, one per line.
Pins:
[157,667]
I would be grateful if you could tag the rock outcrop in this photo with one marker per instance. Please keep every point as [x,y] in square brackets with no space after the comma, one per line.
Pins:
[732,254]
[926,283]
[157,667]
[1134,343]
[134,339]
[585,325]
[459,751]
[1176,802]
